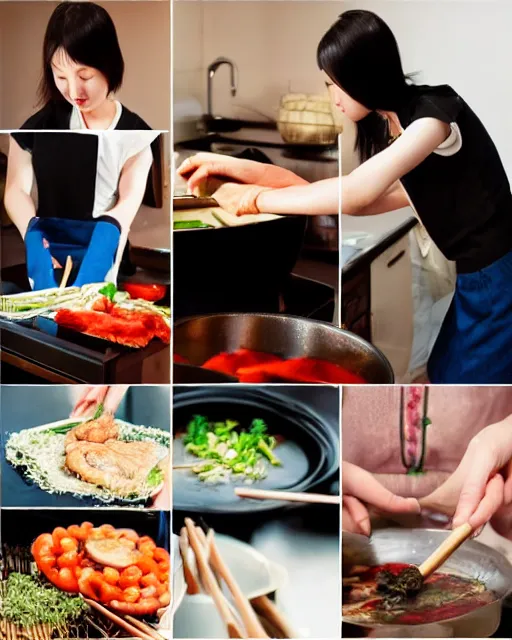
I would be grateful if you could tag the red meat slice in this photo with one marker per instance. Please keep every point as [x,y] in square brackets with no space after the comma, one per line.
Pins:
[230,363]
[299,370]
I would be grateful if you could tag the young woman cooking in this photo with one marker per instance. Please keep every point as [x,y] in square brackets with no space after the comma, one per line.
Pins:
[90,186]
[83,68]
[419,145]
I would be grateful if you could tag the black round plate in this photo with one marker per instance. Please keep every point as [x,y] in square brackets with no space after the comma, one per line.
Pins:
[309,450]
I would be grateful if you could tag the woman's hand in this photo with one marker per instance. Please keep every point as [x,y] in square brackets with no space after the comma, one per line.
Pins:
[198,168]
[92,396]
[360,488]
[239,199]
[482,483]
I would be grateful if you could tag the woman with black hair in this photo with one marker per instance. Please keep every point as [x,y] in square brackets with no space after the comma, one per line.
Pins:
[83,68]
[421,146]
[89,187]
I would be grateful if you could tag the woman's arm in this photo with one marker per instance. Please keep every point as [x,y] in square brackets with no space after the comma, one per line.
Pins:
[368,190]
[320,198]
[371,180]
[132,186]
[20,177]
[394,198]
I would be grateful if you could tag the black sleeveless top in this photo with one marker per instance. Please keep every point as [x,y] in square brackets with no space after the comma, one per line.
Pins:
[463,200]
[57,115]
[76,156]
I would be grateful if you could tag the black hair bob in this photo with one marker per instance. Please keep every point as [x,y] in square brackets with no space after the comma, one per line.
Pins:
[85,31]
[360,54]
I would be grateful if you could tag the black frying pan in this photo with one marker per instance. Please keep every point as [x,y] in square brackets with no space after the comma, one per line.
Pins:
[309,450]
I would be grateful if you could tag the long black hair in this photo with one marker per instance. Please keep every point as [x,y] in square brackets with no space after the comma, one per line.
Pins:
[360,54]
[85,31]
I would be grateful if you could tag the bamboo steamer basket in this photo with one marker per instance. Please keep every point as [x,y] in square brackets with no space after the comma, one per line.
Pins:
[307,119]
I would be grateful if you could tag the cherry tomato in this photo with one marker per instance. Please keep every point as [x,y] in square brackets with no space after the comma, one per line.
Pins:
[131,594]
[68,559]
[68,544]
[151,292]
[130,577]
[65,580]
[111,575]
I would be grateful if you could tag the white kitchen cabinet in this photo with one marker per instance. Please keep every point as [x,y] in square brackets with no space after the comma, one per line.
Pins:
[392,305]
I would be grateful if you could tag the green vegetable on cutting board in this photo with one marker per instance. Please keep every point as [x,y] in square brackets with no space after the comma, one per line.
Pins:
[191,224]
[230,452]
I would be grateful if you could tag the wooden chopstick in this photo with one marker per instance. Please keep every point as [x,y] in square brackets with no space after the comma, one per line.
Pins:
[144,627]
[247,613]
[287,496]
[67,271]
[234,630]
[134,631]
[193,587]
[267,609]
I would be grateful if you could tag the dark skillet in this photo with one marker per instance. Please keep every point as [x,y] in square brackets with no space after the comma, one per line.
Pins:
[309,447]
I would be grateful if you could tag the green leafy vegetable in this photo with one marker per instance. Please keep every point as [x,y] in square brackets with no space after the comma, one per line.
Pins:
[109,291]
[228,451]
[28,601]
[63,428]
[155,477]
[99,412]
[191,224]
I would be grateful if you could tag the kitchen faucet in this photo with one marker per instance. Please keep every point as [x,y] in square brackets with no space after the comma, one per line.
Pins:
[211,72]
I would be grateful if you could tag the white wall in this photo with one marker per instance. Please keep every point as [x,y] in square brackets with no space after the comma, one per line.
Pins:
[273,44]
[464,43]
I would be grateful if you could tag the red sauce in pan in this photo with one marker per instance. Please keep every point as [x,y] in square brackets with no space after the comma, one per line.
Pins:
[442,597]
[258,367]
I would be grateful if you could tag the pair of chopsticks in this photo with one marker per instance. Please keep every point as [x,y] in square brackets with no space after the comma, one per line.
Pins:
[136,628]
[287,496]
[242,620]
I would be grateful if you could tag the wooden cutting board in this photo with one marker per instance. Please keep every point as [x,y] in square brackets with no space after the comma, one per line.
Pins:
[217,217]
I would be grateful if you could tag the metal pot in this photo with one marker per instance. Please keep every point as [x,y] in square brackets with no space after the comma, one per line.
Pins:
[198,339]
[472,559]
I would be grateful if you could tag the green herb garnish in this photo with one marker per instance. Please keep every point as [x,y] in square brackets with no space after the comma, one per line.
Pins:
[99,412]
[191,224]
[109,291]
[28,601]
[155,477]
[63,428]
[228,451]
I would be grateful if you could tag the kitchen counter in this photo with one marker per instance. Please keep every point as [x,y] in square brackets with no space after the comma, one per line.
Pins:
[364,238]
[377,299]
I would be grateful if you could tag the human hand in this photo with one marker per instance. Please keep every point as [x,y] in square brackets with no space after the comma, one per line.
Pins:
[239,199]
[162,500]
[360,487]
[482,483]
[199,168]
[92,396]
[56,264]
